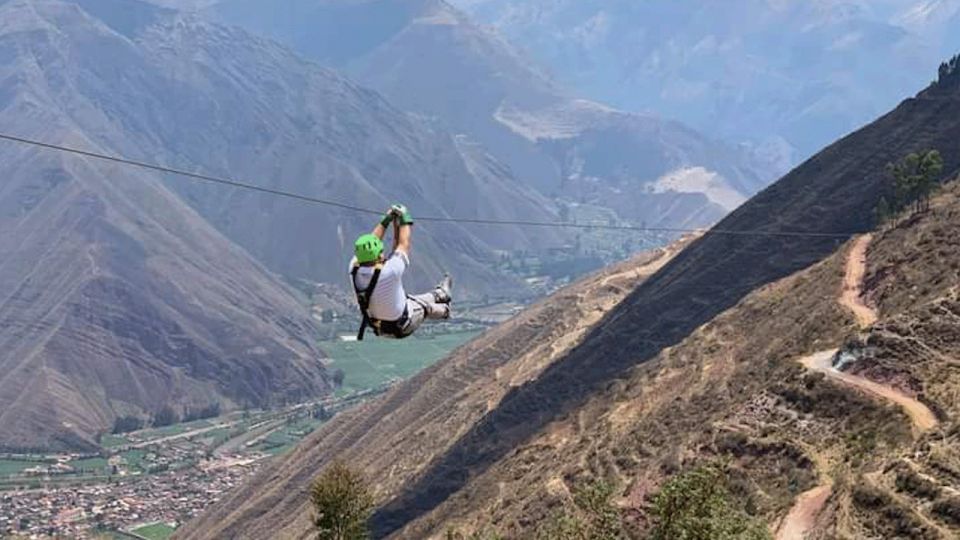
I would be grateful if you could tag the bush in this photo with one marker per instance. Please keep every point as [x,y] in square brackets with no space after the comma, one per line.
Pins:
[594,517]
[890,520]
[696,506]
[603,519]
[342,504]
[949,510]
[910,482]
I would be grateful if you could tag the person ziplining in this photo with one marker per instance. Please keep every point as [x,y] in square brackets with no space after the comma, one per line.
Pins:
[378,282]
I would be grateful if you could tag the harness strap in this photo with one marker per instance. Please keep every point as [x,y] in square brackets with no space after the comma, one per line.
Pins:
[363,299]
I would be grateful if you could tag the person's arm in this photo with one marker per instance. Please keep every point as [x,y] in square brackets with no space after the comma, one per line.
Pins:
[404,233]
[381,229]
[402,229]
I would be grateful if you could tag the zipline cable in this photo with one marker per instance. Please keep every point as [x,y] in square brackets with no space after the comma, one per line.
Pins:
[343,206]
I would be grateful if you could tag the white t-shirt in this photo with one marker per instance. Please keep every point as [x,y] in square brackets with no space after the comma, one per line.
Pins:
[389,299]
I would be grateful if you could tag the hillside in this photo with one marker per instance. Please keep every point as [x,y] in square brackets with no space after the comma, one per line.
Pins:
[428,410]
[788,77]
[116,298]
[429,58]
[673,374]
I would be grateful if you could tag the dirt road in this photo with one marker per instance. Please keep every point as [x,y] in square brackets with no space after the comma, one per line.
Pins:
[803,515]
[922,417]
[852,295]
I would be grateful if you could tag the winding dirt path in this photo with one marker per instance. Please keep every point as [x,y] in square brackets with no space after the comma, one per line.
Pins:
[803,516]
[920,415]
[852,295]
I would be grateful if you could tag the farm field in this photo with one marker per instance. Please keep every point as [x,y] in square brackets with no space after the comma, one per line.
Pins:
[156,531]
[374,362]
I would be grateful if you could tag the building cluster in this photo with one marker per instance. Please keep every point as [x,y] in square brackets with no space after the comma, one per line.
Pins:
[78,512]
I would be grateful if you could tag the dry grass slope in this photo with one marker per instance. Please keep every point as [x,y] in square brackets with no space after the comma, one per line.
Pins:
[394,439]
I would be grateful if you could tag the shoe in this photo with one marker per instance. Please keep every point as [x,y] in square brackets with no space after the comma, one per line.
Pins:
[443,292]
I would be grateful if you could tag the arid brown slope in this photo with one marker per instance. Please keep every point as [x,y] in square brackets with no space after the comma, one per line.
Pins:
[116,299]
[733,391]
[393,439]
[835,191]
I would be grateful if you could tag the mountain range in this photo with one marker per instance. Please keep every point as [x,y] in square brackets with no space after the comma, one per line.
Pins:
[126,292]
[816,366]
[116,298]
[785,76]
[427,57]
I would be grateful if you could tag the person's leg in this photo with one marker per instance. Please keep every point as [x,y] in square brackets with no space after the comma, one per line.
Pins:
[416,314]
[432,305]
[432,309]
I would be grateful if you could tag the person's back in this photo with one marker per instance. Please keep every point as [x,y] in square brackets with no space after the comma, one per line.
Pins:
[378,282]
[389,299]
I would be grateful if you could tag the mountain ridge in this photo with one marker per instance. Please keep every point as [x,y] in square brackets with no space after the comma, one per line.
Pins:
[433,60]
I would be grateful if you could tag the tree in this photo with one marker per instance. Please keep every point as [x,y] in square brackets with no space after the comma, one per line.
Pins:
[915,177]
[596,501]
[883,213]
[165,417]
[696,506]
[950,71]
[126,424]
[342,504]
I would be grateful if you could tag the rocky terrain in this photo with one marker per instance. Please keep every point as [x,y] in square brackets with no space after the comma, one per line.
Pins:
[708,358]
[429,58]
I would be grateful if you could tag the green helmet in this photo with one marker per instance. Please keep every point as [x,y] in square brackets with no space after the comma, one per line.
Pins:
[368,248]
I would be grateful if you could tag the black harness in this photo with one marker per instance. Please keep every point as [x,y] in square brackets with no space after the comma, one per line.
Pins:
[380,328]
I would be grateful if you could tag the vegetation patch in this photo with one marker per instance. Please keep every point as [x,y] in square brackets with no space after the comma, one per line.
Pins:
[374,363]
[908,481]
[888,519]
[156,531]
[342,504]
[949,510]
[10,467]
[697,505]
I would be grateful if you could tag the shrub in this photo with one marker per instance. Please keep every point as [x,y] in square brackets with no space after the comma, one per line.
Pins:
[696,506]
[594,517]
[342,504]
[910,482]
[949,510]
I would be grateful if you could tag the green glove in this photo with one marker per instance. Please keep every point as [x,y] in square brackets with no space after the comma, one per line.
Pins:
[402,214]
[387,219]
